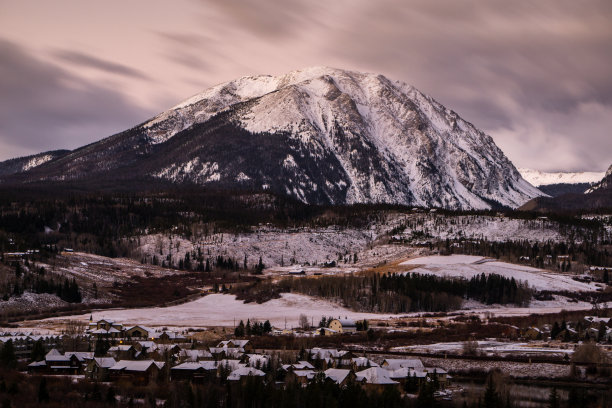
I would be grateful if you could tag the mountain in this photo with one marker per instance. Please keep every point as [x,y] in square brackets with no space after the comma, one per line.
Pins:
[604,184]
[598,196]
[540,178]
[23,164]
[320,135]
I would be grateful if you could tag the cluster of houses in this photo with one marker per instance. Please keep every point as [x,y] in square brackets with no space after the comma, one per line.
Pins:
[23,343]
[590,328]
[143,360]
[110,330]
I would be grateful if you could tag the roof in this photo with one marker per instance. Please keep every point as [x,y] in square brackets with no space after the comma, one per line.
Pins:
[347,323]
[309,374]
[130,365]
[121,347]
[244,372]
[395,363]
[196,365]
[105,362]
[337,375]
[363,362]
[235,342]
[194,355]
[81,355]
[375,375]
[42,363]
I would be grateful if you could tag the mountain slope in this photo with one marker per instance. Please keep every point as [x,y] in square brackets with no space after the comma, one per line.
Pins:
[23,164]
[320,135]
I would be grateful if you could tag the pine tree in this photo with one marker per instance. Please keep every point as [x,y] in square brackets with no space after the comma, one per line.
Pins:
[8,359]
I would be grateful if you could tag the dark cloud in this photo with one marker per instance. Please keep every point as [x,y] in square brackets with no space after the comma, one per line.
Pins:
[534,75]
[503,66]
[275,19]
[43,107]
[90,61]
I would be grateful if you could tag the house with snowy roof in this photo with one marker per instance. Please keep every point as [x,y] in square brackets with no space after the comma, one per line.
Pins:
[395,363]
[343,325]
[186,355]
[123,352]
[242,373]
[339,376]
[197,371]
[98,368]
[139,372]
[301,377]
[236,343]
[375,379]
[139,332]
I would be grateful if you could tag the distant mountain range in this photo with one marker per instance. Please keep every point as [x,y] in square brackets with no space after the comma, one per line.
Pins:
[597,196]
[319,135]
[558,183]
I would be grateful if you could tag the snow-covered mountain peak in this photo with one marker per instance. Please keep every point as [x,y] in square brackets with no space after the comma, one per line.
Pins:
[321,135]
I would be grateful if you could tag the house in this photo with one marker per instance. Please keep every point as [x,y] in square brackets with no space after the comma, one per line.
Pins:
[339,376]
[326,358]
[242,373]
[98,368]
[139,372]
[226,352]
[62,363]
[395,363]
[375,379]
[359,363]
[246,345]
[256,360]
[108,324]
[300,365]
[194,355]
[301,377]
[123,352]
[595,322]
[139,332]
[196,371]
[343,325]
[326,331]
[170,337]
[439,374]
[533,333]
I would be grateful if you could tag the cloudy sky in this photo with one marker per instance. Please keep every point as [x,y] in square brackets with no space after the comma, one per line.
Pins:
[534,75]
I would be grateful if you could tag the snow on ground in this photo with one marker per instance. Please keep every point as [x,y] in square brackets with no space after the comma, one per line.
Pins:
[300,246]
[469,266]
[31,301]
[275,247]
[224,310]
[490,347]
[513,369]
[421,226]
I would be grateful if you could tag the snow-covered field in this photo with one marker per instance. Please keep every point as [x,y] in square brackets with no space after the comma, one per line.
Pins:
[224,310]
[479,227]
[491,347]
[275,247]
[467,266]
